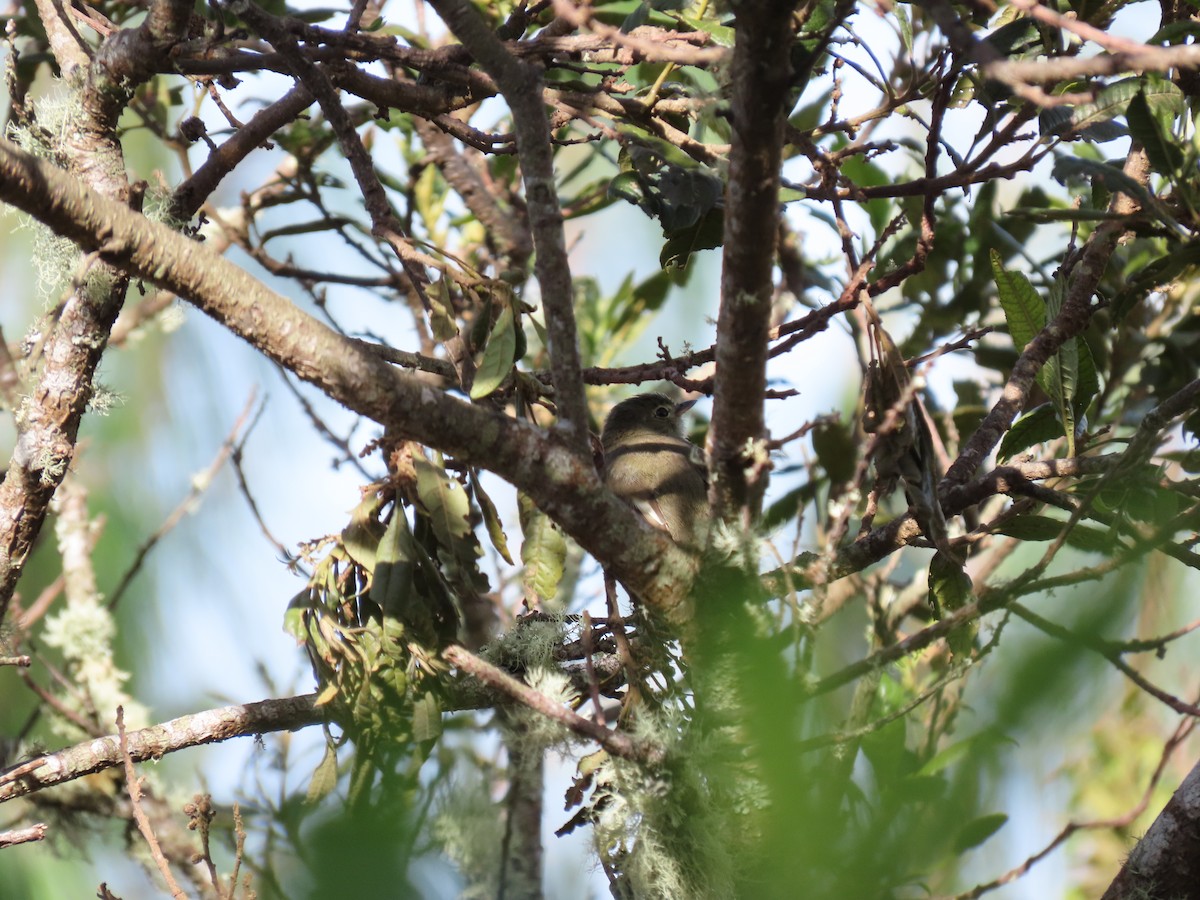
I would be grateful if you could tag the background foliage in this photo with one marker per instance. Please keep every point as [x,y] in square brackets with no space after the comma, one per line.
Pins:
[939,643]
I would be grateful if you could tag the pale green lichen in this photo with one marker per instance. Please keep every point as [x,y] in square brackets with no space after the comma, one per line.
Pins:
[83,631]
[471,831]
[530,645]
[104,400]
[55,259]
[52,466]
[661,828]
[537,732]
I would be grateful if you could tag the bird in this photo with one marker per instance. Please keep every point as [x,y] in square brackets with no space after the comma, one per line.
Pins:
[649,463]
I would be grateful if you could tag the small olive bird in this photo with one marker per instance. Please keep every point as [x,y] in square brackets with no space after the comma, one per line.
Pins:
[649,463]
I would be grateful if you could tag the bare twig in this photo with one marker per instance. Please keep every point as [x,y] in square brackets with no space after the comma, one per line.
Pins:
[616,742]
[189,504]
[521,85]
[134,786]
[1181,733]
[22,835]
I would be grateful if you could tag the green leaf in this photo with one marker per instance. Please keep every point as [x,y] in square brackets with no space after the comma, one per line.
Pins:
[1024,310]
[1013,36]
[498,356]
[722,35]
[1163,270]
[447,508]
[361,537]
[1039,425]
[836,450]
[1175,33]
[491,518]
[866,173]
[1112,101]
[324,778]
[705,234]
[950,587]
[313,16]
[978,830]
[1088,381]
[327,695]
[806,118]
[392,584]
[544,551]
[1069,376]
[1059,378]
[1091,540]
[956,752]
[429,196]
[444,501]
[906,30]
[631,315]
[1113,179]
[637,18]
[1164,97]
[441,311]
[789,506]
[426,718]
[294,617]
[1032,528]
[628,187]
[1160,145]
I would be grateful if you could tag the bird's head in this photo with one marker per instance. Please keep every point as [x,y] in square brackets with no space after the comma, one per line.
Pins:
[646,412]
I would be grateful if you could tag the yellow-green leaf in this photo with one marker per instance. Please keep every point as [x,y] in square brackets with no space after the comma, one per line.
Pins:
[544,550]
[327,694]
[444,500]
[361,537]
[426,718]
[491,519]
[441,311]
[498,356]
[325,778]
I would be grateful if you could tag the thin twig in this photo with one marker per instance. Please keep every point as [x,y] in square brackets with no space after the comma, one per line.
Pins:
[22,835]
[200,484]
[615,742]
[1184,729]
[134,785]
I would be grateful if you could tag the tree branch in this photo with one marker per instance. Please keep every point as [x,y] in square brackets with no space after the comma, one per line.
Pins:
[190,196]
[209,727]
[48,424]
[563,484]
[1072,319]
[615,742]
[1166,861]
[761,77]
[521,84]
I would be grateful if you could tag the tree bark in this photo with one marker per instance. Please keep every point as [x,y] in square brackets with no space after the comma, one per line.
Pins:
[1166,861]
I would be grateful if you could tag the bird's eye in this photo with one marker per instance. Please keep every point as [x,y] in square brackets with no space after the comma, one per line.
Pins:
[663,412]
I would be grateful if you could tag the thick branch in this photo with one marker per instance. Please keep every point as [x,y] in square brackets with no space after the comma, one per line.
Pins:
[562,482]
[1166,861]
[761,77]
[208,727]
[48,423]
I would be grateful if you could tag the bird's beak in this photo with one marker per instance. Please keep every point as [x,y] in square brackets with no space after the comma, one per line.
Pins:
[681,408]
